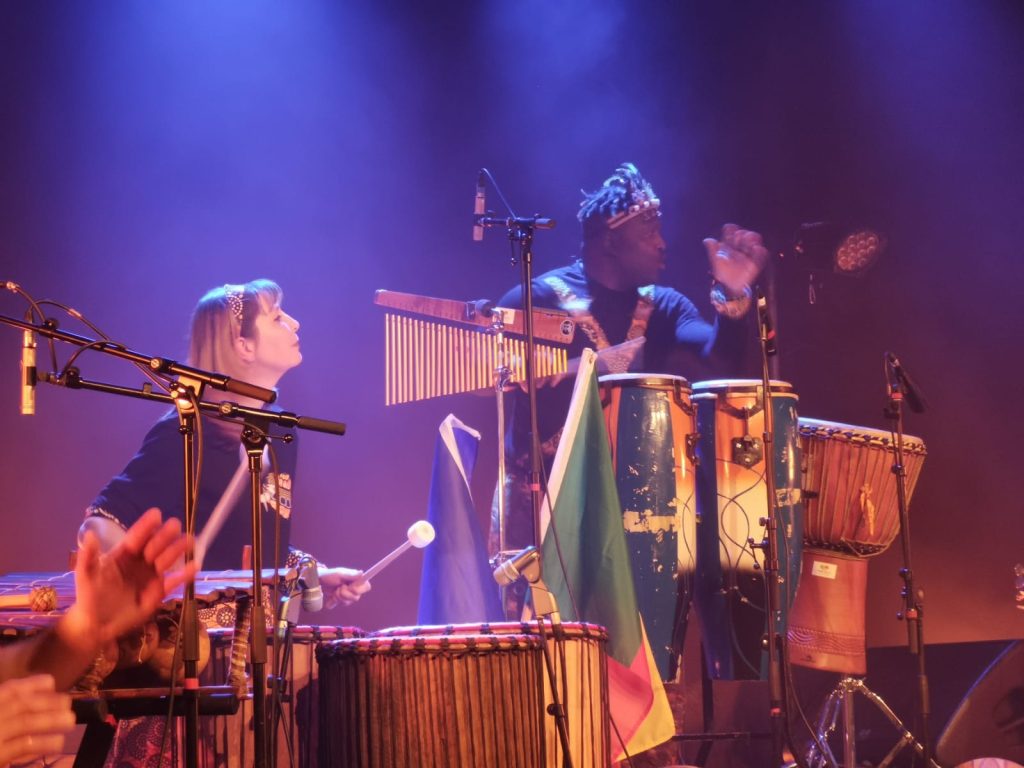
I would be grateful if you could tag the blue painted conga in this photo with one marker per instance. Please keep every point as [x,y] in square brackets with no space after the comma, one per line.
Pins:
[732,499]
[651,428]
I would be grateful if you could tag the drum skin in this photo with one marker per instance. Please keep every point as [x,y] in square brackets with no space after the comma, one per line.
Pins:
[732,500]
[650,424]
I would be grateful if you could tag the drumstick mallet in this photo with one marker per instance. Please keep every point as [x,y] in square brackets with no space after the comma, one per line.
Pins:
[419,535]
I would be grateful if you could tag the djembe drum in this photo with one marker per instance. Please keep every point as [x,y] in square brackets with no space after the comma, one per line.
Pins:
[579,657]
[460,701]
[732,499]
[651,430]
[851,515]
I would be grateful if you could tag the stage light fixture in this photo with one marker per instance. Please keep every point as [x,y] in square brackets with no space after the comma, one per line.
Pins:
[843,249]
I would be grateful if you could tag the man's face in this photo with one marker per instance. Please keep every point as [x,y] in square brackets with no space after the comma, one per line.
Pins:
[638,249]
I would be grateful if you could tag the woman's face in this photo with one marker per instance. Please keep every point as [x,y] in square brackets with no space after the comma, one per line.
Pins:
[275,342]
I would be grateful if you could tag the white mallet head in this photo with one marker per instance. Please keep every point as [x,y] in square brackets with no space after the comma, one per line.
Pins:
[420,534]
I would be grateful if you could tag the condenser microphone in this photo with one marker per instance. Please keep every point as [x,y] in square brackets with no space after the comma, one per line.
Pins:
[479,207]
[510,571]
[309,580]
[28,374]
[767,329]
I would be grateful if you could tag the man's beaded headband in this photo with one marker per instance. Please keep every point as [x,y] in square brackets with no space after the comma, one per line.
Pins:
[644,207]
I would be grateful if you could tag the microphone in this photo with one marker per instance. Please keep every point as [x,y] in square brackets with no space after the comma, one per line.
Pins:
[28,374]
[479,207]
[764,319]
[479,308]
[510,571]
[915,399]
[309,580]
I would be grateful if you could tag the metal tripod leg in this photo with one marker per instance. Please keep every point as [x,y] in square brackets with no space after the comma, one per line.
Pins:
[842,697]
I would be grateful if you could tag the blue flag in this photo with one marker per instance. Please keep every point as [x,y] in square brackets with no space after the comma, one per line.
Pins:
[456,586]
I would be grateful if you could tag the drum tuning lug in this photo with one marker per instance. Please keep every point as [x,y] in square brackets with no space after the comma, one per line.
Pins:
[747,451]
[899,615]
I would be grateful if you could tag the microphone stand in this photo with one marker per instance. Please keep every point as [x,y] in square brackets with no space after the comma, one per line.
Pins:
[913,603]
[520,230]
[288,618]
[544,605]
[186,394]
[770,548]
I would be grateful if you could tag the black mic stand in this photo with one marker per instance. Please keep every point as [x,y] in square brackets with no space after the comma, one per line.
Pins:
[899,386]
[186,395]
[775,634]
[288,618]
[520,231]
[544,605]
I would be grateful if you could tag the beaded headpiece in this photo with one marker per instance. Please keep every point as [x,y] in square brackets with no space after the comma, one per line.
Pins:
[234,298]
[623,196]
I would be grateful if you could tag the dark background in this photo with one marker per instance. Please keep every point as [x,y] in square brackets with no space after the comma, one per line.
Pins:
[151,151]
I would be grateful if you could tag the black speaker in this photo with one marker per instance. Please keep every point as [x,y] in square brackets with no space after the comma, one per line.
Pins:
[990,720]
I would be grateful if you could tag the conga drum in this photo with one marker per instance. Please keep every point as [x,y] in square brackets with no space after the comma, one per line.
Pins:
[579,656]
[651,430]
[851,514]
[461,701]
[732,499]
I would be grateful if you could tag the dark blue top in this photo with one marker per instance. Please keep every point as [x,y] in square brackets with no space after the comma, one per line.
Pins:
[154,478]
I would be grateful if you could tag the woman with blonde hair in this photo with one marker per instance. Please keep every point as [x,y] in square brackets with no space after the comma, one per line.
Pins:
[240,331]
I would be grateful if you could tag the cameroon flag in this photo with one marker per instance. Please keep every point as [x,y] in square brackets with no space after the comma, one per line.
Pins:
[588,520]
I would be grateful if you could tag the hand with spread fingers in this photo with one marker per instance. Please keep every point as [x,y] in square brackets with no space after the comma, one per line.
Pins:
[114,592]
[33,719]
[120,589]
[343,586]
[737,259]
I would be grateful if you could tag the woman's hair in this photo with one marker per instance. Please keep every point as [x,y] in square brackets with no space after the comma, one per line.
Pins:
[223,315]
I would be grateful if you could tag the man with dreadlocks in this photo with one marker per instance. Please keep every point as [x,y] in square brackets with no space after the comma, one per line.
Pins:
[633,324]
